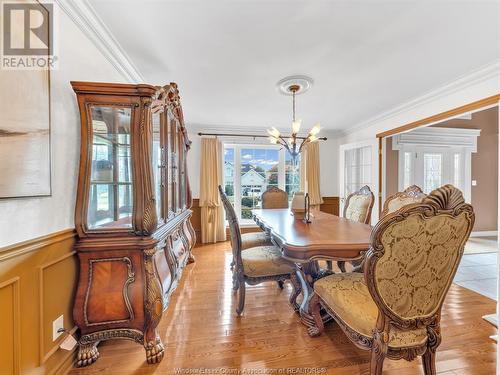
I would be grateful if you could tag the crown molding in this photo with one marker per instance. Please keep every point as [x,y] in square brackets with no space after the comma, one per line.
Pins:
[85,17]
[485,73]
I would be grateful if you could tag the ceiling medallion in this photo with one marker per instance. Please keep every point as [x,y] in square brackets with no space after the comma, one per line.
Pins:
[304,83]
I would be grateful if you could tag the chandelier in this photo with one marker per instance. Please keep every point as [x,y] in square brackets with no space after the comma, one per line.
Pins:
[294,143]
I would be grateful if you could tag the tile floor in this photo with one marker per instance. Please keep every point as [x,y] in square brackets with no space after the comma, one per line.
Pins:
[479,273]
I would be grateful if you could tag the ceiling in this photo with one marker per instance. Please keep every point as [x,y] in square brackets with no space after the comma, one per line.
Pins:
[365,57]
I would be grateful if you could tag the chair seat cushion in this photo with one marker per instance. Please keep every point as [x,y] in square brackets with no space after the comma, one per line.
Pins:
[265,261]
[348,297]
[249,240]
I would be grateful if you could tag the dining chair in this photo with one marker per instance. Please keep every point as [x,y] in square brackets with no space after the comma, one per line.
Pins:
[358,207]
[274,198]
[257,264]
[393,309]
[412,194]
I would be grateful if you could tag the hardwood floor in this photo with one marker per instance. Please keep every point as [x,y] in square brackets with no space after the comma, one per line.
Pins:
[201,331]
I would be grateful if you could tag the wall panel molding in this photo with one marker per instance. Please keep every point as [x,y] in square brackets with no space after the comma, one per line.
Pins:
[16,322]
[44,353]
[330,205]
[35,244]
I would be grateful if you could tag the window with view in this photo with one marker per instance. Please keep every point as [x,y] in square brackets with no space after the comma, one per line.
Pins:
[250,170]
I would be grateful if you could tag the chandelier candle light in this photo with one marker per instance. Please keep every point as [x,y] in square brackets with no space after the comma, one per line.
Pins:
[291,143]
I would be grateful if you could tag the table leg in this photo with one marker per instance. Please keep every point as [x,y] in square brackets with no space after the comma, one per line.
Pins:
[307,273]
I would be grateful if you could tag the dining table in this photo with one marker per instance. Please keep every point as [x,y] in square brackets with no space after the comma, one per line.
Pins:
[325,237]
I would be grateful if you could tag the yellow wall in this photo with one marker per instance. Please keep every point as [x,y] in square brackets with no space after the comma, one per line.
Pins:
[37,285]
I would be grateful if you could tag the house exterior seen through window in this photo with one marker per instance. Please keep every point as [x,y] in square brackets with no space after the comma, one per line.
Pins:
[250,171]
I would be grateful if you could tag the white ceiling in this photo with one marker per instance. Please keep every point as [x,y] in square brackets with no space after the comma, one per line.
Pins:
[365,57]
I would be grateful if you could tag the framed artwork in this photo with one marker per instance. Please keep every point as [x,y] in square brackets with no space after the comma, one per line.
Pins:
[25,155]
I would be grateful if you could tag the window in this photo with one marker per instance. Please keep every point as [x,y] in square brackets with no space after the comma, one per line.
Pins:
[250,170]
[432,171]
[357,169]
[408,169]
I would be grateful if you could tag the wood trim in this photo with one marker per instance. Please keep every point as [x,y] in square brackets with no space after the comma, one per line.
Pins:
[45,356]
[330,205]
[442,116]
[16,314]
[66,365]
[35,244]
[380,175]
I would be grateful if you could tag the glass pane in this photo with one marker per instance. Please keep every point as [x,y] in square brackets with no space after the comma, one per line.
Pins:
[259,170]
[357,169]
[292,175]
[457,176]
[110,199]
[157,163]
[432,171]
[180,173]
[170,163]
[229,173]
[407,169]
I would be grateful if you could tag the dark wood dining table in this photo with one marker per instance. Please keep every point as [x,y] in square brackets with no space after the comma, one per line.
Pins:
[326,237]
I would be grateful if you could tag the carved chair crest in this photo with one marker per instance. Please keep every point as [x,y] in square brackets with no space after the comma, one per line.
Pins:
[274,198]
[412,194]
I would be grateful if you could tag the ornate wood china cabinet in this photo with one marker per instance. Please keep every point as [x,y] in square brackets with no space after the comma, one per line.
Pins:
[132,213]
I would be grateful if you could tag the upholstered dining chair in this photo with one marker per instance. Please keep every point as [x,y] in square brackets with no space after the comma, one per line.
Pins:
[274,198]
[257,264]
[412,194]
[358,207]
[394,308]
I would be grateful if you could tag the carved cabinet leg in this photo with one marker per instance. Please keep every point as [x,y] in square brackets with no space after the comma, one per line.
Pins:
[154,349]
[153,311]
[87,354]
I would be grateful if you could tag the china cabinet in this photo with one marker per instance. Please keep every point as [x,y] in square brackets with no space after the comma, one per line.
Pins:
[132,213]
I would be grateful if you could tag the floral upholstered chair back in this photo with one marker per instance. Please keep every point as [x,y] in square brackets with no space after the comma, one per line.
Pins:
[234,226]
[414,255]
[274,198]
[358,205]
[412,194]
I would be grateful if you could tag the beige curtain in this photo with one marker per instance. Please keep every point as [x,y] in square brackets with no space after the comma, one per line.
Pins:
[309,174]
[212,214]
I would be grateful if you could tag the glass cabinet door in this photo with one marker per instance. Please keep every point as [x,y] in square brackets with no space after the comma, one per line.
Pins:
[110,196]
[182,182]
[158,164]
[170,162]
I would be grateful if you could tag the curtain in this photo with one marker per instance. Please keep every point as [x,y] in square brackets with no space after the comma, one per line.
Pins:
[310,174]
[212,214]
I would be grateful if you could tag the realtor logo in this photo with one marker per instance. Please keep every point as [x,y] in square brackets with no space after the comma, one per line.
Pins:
[28,36]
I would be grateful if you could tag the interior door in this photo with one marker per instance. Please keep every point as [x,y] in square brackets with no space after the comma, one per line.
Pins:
[359,167]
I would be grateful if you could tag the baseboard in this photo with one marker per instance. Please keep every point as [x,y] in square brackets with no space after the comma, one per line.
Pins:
[68,364]
[484,233]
